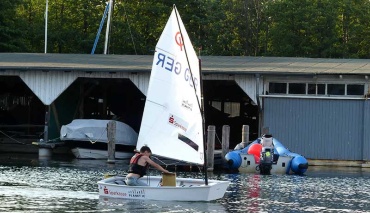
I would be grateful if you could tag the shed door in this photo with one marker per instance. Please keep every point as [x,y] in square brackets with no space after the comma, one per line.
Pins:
[318,128]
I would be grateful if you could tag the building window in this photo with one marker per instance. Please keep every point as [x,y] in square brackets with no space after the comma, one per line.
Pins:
[311,89]
[297,88]
[316,89]
[336,89]
[320,89]
[277,88]
[355,89]
[217,105]
[232,108]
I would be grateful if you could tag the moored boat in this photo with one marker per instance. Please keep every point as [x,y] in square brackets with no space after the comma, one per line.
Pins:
[277,159]
[88,139]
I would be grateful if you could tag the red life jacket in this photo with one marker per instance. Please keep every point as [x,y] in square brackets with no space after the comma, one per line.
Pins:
[135,167]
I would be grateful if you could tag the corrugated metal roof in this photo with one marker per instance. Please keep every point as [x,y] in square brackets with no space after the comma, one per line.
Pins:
[70,62]
[210,64]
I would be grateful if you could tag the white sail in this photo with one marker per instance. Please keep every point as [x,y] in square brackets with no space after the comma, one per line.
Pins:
[172,122]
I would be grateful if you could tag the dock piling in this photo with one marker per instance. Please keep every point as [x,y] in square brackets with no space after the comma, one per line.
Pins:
[225,140]
[245,138]
[111,134]
[245,133]
[211,133]
[45,153]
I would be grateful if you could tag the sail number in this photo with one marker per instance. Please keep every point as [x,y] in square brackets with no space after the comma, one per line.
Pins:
[171,65]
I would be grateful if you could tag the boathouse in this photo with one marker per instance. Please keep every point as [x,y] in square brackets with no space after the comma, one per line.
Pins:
[316,107]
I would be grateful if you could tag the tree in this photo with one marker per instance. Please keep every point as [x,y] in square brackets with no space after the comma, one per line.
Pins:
[354,28]
[306,28]
[10,36]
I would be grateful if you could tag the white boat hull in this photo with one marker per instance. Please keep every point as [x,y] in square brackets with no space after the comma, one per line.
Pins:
[82,153]
[186,189]
[249,164]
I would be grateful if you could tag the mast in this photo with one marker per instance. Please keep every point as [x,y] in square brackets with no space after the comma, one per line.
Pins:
[199,101]
[100,28]
[204,124]
[108,27]
[46,25]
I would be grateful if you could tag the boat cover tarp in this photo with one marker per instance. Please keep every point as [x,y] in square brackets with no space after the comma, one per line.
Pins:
[96,131]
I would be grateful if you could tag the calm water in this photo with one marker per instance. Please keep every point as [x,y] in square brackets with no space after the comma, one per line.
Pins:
[59,185]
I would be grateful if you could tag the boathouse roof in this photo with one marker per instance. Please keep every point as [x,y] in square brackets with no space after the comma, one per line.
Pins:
[210,64]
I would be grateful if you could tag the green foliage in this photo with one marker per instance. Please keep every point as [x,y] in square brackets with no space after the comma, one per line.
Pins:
[10,36]
[305,28]
[320,28]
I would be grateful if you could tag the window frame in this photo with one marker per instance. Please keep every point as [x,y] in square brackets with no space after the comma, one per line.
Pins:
[317,84]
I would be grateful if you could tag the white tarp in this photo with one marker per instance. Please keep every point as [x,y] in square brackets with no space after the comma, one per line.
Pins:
[96,131]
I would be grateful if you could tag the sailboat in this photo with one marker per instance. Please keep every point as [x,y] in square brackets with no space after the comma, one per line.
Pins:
[172,124]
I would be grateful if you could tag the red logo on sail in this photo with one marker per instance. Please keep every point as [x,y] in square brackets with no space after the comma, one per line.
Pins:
[171,119]
[177,122]
[105,190]
[178,39]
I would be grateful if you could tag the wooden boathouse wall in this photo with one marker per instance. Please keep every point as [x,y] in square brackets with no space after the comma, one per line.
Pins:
[51,76]
[318,127]
[48,85]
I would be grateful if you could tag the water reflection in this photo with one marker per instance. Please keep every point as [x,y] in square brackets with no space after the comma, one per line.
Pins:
[334,191]
[28,184]
[123,205]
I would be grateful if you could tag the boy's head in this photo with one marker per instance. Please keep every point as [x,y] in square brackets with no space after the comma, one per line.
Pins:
[145,149]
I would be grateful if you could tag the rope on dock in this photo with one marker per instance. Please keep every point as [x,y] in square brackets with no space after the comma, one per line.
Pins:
[11,138]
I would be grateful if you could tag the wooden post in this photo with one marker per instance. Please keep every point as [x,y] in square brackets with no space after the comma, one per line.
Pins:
[111,134]
[211,147]
[104,104]
[47,120]
[245,134]
[46,153]
[81,103]
[56,116]
[225,140]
